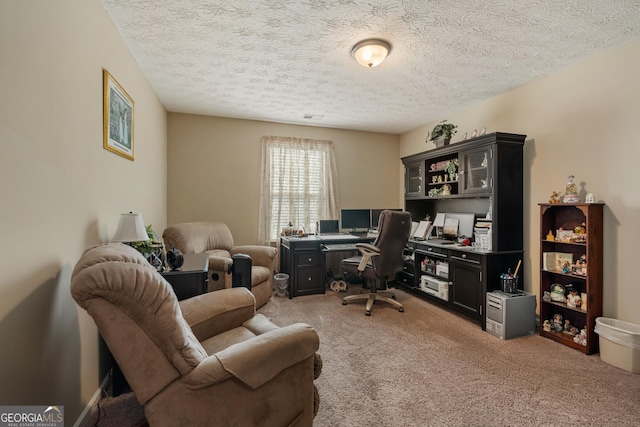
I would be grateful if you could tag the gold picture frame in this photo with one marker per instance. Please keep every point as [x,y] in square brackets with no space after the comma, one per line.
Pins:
[119,118]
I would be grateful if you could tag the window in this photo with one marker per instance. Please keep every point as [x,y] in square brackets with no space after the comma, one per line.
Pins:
[299,184]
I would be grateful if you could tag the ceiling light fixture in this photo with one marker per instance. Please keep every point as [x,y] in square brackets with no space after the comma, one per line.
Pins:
[370,52]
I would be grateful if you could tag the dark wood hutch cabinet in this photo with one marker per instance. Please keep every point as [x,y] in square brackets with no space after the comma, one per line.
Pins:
[489,183]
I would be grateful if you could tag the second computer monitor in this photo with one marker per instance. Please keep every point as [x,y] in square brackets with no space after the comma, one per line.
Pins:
[375,215]
[355,219]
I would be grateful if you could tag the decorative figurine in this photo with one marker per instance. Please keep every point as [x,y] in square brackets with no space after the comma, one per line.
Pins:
[571,194]
[567,326]
[581,338]
[590,198]
[573,299]
[557,293]
[556,324]
[580,267]
[579,233]
[554,199]
[546,325]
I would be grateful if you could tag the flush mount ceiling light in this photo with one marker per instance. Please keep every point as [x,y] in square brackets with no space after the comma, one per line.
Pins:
[370,52]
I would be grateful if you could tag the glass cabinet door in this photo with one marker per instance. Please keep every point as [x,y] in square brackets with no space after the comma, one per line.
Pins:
[413,178]
[475,170]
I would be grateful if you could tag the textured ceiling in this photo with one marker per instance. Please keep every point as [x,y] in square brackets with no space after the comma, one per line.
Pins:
[279,60]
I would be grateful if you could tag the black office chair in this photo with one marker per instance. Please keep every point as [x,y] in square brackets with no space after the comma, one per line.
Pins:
[381,260]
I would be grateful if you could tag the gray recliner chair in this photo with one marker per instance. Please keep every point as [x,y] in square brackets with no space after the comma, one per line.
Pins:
[381,260]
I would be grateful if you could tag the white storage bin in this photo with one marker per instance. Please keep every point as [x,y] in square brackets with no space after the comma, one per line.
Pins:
[619,343]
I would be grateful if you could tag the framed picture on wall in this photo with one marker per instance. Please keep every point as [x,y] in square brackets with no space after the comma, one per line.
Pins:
[119,115]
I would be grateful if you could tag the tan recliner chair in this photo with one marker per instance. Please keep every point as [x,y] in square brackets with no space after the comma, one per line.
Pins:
[215,239]
[205,361]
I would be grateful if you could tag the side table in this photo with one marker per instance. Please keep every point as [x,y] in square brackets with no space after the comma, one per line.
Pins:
[192,279]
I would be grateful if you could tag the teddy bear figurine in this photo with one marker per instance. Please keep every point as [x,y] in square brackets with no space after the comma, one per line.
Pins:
[554,199]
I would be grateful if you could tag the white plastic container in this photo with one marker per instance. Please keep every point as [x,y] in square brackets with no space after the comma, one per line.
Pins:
[619,343]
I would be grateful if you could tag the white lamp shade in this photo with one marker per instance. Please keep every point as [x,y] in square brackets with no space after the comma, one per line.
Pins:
[131,228]
[370,52]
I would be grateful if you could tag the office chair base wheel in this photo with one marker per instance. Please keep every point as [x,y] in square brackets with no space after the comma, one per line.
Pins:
[401,309]
[344,302]
[367,313]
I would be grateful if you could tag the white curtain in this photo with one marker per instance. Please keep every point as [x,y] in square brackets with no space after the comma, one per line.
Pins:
[299,185]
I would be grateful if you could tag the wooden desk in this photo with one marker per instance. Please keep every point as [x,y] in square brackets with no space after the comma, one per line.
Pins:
[192,278]
[303,259]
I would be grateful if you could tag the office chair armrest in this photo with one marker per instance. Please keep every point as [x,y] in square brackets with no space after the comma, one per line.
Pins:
[368,251]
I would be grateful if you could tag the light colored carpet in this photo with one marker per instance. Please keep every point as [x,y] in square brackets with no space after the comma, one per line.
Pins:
[431,367]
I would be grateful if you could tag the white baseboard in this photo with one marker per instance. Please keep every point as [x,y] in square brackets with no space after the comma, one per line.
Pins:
[85,416]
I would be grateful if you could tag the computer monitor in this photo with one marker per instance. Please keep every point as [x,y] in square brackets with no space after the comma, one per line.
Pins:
[375,215]
[355,219]
[465,224]
[328,226]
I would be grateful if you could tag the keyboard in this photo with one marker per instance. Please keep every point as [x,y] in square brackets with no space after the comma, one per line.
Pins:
[336,236]
[334,247]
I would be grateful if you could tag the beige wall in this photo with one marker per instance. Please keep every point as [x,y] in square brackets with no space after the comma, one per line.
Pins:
[61,191]
[214,169]
[585,121]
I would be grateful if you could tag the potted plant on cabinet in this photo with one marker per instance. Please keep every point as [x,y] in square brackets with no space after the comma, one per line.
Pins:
[441,133]
[452,168]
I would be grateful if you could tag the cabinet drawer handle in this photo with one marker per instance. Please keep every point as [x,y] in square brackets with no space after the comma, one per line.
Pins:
[309,279]
[310,259]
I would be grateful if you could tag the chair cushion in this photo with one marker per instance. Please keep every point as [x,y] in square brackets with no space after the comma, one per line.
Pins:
[257,325]
[351,264]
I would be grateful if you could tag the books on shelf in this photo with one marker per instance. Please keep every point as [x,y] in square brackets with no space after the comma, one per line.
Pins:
[557,261]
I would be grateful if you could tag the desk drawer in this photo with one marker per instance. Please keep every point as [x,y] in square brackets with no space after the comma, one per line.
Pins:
[467,257]
[432,250]
[309,281]
[308,259]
